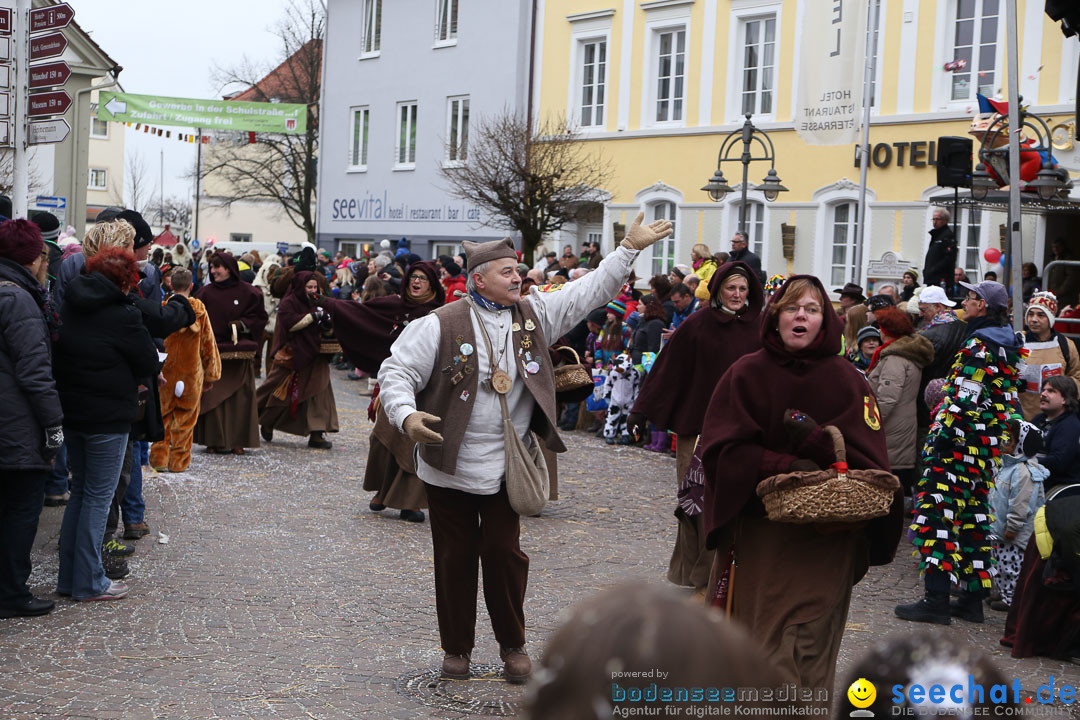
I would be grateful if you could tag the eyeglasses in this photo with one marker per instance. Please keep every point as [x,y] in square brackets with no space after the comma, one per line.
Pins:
[418,277]
[972,298]
[810,309]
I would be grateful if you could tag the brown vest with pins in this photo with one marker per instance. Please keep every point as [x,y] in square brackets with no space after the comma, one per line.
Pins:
[452,388]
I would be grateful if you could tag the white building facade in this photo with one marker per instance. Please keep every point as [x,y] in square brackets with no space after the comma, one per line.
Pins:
[402,83]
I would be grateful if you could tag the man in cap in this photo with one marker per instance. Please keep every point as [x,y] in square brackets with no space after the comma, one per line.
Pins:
[439,387]
[1050,353]
[850,295]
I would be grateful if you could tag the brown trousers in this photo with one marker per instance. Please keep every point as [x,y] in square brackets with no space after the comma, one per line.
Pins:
[466,528]
[174,452]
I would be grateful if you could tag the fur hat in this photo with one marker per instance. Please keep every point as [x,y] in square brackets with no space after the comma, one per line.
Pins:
[20,241]
[1046,303]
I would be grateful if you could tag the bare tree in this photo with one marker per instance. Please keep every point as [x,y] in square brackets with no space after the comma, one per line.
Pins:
[277,168]
[136,179]
[529,182]
[176,211]
[7,172]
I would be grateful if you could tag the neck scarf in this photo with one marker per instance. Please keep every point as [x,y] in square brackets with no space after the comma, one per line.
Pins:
[487,304]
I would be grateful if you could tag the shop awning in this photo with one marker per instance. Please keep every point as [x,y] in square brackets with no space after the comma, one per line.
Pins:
[998,201]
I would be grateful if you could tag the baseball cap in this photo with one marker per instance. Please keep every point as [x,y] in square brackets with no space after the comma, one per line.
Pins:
[935,294]
[995,294]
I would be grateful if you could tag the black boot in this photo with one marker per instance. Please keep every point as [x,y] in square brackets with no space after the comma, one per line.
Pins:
[968,606]
[933,608]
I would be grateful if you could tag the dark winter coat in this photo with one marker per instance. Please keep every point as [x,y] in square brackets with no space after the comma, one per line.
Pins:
[895,378]
[746,256]
[646,338]
[940,256]
[947,339]
[29,402]
[1061,443]
[103,352]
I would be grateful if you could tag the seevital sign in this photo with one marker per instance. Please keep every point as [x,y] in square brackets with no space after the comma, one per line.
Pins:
[260,117]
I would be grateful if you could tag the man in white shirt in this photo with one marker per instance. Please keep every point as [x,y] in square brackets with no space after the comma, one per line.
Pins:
[436,387]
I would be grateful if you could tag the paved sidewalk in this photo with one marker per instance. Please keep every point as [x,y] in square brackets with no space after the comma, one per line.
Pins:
[280,595]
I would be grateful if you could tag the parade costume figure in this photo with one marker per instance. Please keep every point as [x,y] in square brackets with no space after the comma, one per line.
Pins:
[366,332]
[192,362]
[959,461]
[794,581]
[620,390]
[692,363]
[227,418]
[296,396]
[441,386]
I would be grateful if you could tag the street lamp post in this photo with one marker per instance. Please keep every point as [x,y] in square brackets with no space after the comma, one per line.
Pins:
[747,136]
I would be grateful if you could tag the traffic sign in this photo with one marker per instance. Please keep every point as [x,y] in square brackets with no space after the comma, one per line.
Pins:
[48,131]
[49,103]
[52,17]
[5,20]
[47,46]
[49,74]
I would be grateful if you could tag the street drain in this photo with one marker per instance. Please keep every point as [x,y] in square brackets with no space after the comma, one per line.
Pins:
[485,693]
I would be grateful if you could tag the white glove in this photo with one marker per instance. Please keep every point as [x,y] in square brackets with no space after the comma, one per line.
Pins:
[639,236]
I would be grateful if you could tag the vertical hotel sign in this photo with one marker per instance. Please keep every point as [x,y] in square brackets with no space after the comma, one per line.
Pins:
[831,62]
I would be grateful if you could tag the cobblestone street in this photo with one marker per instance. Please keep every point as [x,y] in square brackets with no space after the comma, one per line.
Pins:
[279,594]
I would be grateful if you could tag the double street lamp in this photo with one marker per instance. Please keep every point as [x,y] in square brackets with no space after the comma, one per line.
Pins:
[751,138]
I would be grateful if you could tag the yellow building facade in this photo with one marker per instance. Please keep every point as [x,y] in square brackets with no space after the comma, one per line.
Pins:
[655,86]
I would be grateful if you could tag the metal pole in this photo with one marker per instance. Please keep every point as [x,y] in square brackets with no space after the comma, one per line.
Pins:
[747,133]
[198,179]
[1016,249]
[161,189]
[864,142]
[20,191]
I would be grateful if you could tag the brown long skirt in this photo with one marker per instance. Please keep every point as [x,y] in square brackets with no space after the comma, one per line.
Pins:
[227,415]
[315,413]
[391,469]
[691,561]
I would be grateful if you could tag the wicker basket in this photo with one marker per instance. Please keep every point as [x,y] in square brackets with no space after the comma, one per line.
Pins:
[573,381]
[833,495]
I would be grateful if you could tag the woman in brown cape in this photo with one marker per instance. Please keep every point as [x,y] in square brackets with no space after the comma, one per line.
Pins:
[677,389]
[296,396]
[366,331]
[227,418]
[766,417]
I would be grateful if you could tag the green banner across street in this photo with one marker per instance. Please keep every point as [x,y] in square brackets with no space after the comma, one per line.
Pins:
[213,114]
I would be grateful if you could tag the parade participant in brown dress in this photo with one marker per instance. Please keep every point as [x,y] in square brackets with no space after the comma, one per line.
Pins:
[227,419]
[296,396]
[676,392]
[366,331]
[767,416]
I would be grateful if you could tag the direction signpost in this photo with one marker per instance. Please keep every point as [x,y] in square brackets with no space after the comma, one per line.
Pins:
[48,131]
[49,75]
[48,103]
[47,46]
[53,17]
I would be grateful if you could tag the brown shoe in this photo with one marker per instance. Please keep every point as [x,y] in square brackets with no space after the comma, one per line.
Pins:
[135,531]
[456,667]
[517,666]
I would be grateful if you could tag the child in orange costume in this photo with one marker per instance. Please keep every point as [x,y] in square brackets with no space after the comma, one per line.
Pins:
[192,359]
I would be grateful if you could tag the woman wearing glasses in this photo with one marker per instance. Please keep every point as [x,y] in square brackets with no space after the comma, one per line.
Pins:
[766,417]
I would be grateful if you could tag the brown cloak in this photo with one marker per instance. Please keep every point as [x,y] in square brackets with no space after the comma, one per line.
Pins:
[230,301]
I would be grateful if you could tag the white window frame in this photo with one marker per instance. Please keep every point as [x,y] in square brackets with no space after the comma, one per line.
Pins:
[669,243]
[447,36]
[740,13]
[740,52]
[241,237]
[359,164]
[97,136]
[104,179]
[757,245]
[463,103]
[668,19]
[370,42]
[875,106]
[830,244]
[946,33]
[579,39]
[825,199]
[408,163]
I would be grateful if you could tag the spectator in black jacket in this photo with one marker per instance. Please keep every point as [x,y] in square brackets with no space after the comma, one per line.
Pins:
[1061,431]
[103,351]
[661,288]
[648,333]
[941,255]
[740,252]
[30,415]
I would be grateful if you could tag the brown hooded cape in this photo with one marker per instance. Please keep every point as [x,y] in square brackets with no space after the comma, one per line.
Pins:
[367,330]
[697,355]
[294,306]
[233,300]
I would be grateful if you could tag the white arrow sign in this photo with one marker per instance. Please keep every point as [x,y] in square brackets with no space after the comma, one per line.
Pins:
[44,132]
[115,107]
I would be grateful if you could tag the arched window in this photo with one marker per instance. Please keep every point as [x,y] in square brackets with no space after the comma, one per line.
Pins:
[841,229]
[663,252]
[755,226]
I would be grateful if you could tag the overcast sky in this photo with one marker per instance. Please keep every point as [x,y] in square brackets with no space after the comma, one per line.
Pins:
[170,48]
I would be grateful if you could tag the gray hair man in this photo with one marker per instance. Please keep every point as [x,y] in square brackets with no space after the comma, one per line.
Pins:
[439,386]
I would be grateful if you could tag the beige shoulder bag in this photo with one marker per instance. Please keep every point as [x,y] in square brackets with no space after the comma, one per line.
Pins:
[526,469]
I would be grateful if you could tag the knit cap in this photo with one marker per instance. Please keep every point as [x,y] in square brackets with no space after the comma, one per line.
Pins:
[1046,303]
[618,307]
[866,333]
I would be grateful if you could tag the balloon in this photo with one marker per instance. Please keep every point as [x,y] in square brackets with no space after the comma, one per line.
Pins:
[992,255]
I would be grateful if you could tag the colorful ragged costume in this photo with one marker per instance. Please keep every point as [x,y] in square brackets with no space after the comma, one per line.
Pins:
[959,461]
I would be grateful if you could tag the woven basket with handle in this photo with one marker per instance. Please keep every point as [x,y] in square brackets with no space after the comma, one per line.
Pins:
[573,382]
[833,495]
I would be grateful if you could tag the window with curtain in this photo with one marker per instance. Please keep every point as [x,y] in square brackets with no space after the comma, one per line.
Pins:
[755,226]
[842,225]
[670,75]
[758,65]
[593,79]
[663,252]
[974,40]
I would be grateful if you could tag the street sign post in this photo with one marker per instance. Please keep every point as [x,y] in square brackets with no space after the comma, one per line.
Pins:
[52,17]
[48,103]
[49,75]
[43,47]
[47,132]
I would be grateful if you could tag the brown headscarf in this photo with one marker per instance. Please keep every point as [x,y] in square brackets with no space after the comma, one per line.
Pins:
[367,330]
[230,301]
[294,306]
